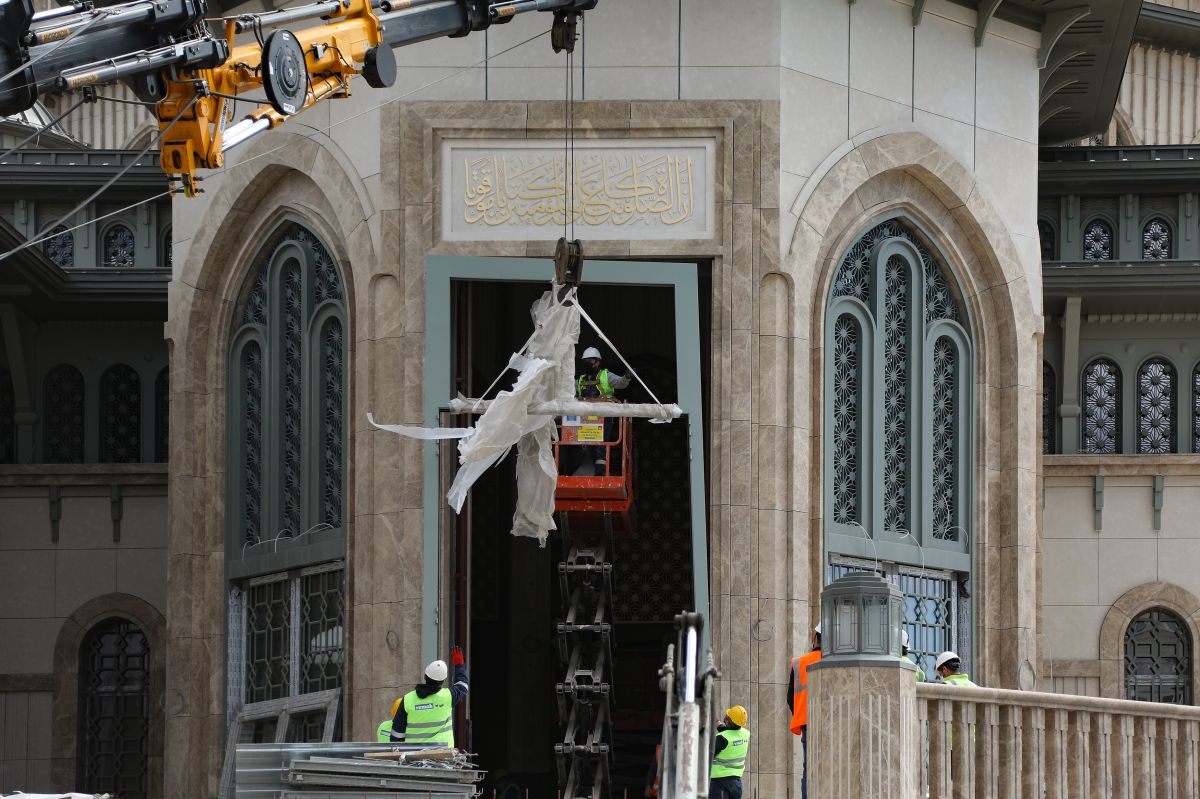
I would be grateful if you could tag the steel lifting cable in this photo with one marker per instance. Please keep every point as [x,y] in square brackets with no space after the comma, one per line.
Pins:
[44,128]
[149,145]
[42,238]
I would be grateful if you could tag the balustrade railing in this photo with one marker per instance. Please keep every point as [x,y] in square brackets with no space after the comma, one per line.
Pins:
[984,743]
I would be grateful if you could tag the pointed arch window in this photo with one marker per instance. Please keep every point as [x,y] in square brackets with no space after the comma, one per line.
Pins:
[1158,658]
[63,414]
[60,247]
[899,377]
[1098,241]
[1102,407]
[288,374]
[118,247]
[1156,407]
[120,415]
[1049,409]
[1156,240]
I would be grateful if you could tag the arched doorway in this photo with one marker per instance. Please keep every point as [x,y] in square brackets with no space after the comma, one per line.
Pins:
[114,710]
[1158,658]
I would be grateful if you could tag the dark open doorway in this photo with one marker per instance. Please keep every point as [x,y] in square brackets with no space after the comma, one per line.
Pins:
[513,603]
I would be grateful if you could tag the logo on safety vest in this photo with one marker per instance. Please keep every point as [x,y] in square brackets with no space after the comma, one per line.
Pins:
[426,706]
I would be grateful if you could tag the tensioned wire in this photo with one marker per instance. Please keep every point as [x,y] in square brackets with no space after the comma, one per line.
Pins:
[224,170]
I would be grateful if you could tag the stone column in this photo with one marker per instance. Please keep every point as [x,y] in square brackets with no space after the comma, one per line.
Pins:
[863,738]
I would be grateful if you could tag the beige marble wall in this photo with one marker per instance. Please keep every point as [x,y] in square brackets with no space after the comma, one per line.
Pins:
[1098,578]
[381,229]
[910,172]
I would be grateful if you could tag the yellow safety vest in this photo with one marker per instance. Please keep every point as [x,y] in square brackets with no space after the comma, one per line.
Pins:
[731,761]
[430,720]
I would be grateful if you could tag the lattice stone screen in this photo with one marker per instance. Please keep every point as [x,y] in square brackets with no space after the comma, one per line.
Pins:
[1158,658]
[114,710]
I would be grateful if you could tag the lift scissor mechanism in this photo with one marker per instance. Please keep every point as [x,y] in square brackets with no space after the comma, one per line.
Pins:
[167,53]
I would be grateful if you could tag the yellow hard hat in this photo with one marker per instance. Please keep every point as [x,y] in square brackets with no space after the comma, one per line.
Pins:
[396,706]
[738,715]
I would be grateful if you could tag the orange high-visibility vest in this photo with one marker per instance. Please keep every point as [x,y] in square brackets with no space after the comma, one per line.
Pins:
[800,690]
[657,769]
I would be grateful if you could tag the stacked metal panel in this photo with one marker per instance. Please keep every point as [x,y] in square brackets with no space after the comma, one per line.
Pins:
[340,771]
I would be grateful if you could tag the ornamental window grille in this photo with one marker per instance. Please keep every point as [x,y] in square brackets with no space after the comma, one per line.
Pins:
[287,636]
[933,616]
[60,247]
[1158,658]
[162,416]
[168,250]
[1156,407]
[288,378]
[1048,240]
[118,247]
[1098,241]
[62,415]
[899,377]
[8,410]
[120,415]
[1049,410]
[114,710]
[1196,408]
[1156,240]
[1102,407]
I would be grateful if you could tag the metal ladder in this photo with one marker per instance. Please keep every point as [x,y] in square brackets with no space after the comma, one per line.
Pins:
[585,651]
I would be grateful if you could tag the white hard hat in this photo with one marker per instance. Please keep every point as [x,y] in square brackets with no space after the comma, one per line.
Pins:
[945,658]
[817,629]
[591,352]
[904,637]
[437,670]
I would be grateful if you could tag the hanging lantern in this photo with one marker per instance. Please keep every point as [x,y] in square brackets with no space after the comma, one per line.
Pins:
[861,615]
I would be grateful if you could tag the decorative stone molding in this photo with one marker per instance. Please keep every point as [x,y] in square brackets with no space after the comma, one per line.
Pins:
[1179,601]
[65,699]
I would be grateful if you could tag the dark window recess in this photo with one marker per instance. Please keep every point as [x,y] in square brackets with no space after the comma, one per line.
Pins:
[162,416]
[1048,240]
[60,247]
[114,710]
[120,415]
[8,410]
[62,415]
[1049,410]
[1158,658]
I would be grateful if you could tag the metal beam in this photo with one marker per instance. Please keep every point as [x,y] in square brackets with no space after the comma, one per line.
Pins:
[983,16]
[1056,25]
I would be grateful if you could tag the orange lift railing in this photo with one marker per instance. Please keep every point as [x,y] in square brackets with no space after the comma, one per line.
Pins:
[609,491]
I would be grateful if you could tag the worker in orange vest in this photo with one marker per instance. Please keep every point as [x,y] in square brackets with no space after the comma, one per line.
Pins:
[798,701]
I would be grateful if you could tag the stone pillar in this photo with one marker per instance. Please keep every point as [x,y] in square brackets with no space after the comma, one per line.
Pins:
[864,741]
[863,738]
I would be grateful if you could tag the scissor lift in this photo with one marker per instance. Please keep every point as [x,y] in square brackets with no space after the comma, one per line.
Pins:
[593,508]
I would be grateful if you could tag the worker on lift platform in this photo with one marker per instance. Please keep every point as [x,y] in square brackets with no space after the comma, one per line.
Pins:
[426,714]
[597,382]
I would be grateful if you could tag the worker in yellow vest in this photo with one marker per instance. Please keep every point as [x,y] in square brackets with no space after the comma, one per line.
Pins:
[596,382]
[383,733]
[797,697]
[426,713]
[732,743]
[920,675]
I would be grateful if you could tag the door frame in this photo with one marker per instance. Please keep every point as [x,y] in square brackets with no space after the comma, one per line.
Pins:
[682,277]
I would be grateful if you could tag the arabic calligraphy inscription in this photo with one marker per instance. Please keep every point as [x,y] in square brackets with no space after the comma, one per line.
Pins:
[643,189]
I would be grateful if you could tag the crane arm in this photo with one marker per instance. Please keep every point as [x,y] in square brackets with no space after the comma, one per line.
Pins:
[168,55]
